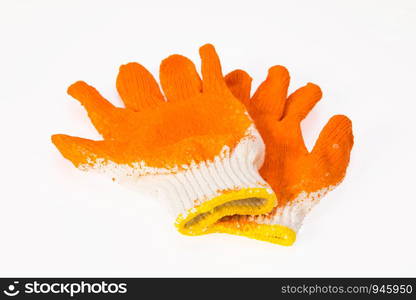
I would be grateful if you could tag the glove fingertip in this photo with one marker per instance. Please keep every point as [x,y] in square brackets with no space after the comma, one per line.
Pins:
[80,90]
[278,72]
[270,96]
[333,148]
[207,48]
[77,150]
[179,78]
[302,101]
[137,87]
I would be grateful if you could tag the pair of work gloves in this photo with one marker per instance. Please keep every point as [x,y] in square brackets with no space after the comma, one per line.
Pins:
[224,162]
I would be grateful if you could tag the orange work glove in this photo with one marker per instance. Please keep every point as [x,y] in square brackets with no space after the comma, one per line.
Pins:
[198,147]
[298,177]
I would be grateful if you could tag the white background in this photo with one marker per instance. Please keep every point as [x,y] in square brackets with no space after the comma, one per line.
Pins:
[58,221]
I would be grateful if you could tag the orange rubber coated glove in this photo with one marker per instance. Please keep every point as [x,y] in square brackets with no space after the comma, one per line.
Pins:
[298,177]
[197,145]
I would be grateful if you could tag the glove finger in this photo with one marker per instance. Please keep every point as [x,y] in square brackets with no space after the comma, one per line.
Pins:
[212,78]
[102,113]
[239,83]
[137,87]
[179,78]
[331,153]
[271,95]
[81,152]
[301,102]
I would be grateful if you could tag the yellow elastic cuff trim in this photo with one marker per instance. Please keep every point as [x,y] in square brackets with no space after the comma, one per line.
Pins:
[254,201]
[276,234]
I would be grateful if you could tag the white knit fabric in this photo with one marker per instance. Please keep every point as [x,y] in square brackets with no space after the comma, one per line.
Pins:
[293,214]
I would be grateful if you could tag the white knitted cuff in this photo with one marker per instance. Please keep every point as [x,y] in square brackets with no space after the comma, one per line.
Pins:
[205,192]
[293,214]
[279,226]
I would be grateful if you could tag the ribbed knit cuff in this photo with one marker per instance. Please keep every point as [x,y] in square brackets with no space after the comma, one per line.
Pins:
[203,193]
[279,226]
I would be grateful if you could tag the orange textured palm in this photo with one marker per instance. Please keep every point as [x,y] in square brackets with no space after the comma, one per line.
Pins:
[289,167]
[163,133]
